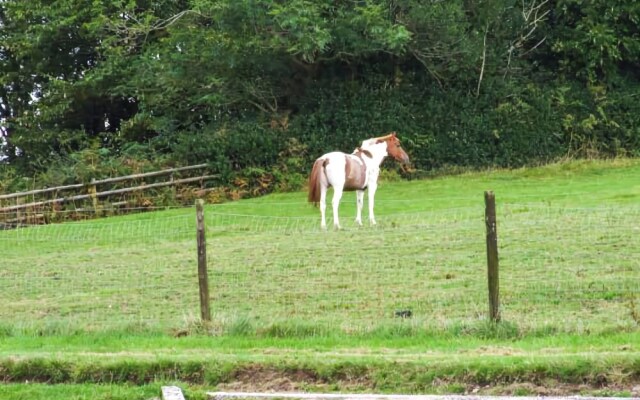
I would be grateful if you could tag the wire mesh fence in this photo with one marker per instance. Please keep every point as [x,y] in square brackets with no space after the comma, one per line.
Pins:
[565,269]
[561,269]
[571,268]
[129,272]
[289,271]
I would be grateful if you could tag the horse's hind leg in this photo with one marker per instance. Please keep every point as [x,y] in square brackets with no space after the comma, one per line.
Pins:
[335,202]
[359,204]
[323,206]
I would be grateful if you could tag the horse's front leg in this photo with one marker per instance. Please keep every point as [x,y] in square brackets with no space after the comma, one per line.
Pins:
[359,204]
[335,202]
[372,194]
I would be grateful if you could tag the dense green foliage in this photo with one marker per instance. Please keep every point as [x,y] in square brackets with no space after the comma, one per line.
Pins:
[261,87]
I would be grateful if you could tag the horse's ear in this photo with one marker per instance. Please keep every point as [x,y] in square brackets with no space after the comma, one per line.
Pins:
[393,133]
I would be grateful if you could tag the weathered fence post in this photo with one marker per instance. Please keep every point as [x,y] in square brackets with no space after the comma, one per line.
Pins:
[203,278]
[492,256]
[93,191]
[19,216]
[173,187]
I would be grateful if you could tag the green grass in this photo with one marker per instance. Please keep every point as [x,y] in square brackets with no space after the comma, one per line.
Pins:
[569,248]
[584,364]
[109,347]
[85,391]
[110,301]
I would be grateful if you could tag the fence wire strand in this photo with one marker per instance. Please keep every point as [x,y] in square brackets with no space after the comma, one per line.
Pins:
[569,269]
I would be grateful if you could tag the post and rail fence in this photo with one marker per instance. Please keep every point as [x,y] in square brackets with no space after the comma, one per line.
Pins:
[15,210]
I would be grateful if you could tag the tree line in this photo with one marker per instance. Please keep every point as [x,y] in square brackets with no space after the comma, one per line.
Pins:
[259,88]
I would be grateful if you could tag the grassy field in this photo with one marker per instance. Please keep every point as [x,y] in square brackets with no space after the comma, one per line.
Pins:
[109,301]
[81,392]
[568,236]
[73,366]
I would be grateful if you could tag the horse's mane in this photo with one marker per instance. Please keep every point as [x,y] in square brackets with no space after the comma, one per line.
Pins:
[379,139]
[359,150]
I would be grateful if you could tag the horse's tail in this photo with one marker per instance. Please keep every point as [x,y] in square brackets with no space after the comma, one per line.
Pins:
[315,181]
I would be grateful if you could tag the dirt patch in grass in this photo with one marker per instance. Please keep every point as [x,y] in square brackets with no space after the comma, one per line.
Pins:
[257,378]
[611,377]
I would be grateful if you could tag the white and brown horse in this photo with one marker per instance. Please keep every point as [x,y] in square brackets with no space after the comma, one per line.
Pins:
[348,172]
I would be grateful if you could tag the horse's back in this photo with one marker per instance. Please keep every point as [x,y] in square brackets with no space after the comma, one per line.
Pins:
[343,170]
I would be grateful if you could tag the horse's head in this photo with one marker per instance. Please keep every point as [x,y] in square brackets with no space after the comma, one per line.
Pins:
[394,149]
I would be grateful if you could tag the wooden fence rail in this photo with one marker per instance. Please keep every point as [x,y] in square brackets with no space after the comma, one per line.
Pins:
[108,180]
[106,193]
[91,192]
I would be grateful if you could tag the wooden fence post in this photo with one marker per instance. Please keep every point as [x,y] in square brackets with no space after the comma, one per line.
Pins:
[92,191]
[173,187]
[492,256]
[19,216]
[203,278]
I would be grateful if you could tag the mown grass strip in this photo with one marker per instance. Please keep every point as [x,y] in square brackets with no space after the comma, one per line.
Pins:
[402,365]
[198,347]
[355,374]
[30,391]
